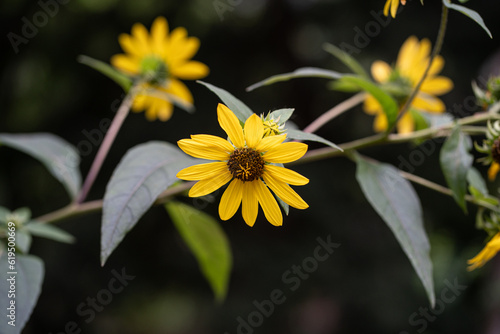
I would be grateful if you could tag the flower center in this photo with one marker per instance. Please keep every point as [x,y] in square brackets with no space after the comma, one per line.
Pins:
[154,70]
[246,164]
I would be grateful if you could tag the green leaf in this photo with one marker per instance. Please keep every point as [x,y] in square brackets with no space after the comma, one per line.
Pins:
[49,232]
[60,157]
[301,135]
[455,161]
[121,79]
[208,243]
[141,176]
[389,105]
[282,114]
[475,179]
[28,284]
[241,110]
[23,240]
[304,72]
[469,13]
[342,85]
[346,58]
[22,215]
[419,119]
[396,202]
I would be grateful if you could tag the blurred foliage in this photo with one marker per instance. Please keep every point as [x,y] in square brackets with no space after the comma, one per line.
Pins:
[366,285]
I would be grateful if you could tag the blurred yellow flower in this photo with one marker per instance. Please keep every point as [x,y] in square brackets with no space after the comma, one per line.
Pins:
[246,159]
[493,171]
[393,4]
[157,60]
[412,61]
[488,252]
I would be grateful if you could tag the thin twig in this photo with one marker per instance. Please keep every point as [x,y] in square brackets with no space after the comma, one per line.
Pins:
[77,209]
[335,111]
[120,116]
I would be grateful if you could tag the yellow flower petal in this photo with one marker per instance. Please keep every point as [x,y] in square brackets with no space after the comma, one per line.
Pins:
[164,111]
[190,70]
[381,71]
[285,192]
[207,186]
[254,130]
[140,34]
[406,124]
[202,171]
[128,45]
[429,103]
[286,152]
[140,103]
[250,204]
[371,106]
[159,32]
[285,175]
[386,7]
[488,252]
[177,39]
[393,4]
[406,54]
[437,66]
[268,203]
[202,151]
[269,142]
[231,199]
[231,125]
[493,171]
[125,64]
[178,89]
[437,85]
[214,141]
[189,48]
[152,109]
[380,124]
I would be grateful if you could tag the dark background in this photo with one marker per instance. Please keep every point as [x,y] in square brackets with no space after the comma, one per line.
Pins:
[366,286]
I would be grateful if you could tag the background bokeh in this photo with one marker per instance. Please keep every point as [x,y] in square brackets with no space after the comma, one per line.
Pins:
[366,286]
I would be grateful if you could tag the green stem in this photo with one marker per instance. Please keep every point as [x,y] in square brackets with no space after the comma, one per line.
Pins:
[120,116]
[437,48]
[443,190]
[77,209]
[329,152]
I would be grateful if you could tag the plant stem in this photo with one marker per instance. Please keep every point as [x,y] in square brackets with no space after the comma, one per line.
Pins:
[435,51]
[334,112]
[443,190]
[120,116]
[329,152]
[77,209]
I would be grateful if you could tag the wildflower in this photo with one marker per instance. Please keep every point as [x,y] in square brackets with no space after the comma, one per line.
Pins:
[393,4]
[246,159]
[412,61]
[488,252]
[157,60]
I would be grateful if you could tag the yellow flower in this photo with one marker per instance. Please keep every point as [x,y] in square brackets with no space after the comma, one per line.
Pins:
[158,60]
[412,61]
[246,159]
[488,252]
[393,4]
